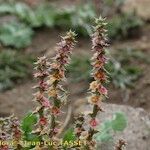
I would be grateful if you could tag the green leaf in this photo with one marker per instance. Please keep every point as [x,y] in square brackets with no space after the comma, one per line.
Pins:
[103,137]
[79,68]
[31,137]
[119,123]
[28,122]
[69,135]
[105,132]
[6,8]
[14,67]
[124,26]
[22,10]
[15,34]
[45,15]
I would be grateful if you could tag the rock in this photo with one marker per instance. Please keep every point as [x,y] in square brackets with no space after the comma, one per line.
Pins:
[137,133]
[140,6]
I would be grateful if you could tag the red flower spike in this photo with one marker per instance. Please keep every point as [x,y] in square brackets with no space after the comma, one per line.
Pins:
[97,90]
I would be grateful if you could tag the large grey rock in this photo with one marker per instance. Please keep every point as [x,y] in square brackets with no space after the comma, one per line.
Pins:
[137,133]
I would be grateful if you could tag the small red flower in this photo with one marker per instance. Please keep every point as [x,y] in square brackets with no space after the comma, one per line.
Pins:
[56,130]
[45,102]
[43,121]
[43,85]
[103,90]
[93,122]
[5,147]
[102,58]
[17,134]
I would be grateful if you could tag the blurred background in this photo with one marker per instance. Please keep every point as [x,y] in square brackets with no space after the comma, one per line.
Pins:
[31,28]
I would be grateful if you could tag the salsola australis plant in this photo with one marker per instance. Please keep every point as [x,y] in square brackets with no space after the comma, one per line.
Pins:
[97,90]
[40,129]
[42,124]
[57,74]
[10,133]
[51,94]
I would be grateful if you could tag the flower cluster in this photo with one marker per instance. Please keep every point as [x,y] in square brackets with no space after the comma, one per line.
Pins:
[79,129]
[97,89]
[120,145]
[15,127]
[57,74]
[4,130]
[10,131]
[50,94]
[41,74]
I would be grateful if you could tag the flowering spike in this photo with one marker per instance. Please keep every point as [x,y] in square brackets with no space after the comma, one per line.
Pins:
[51,96]
[97,89]
[120,145]
[41,74]
[4,132]
[57,74]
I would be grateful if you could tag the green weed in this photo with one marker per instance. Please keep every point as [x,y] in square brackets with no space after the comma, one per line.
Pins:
[79,69]
[78,18]
[124,26]
[118,123]
[15,34]
[13,68]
